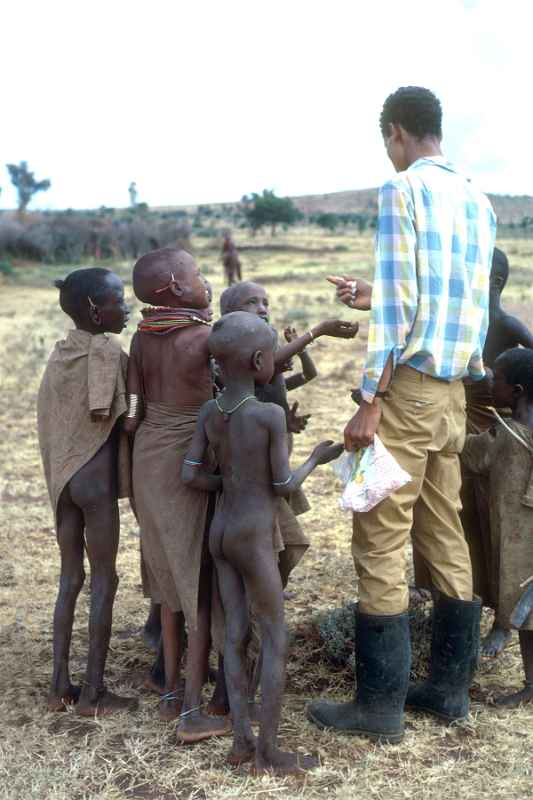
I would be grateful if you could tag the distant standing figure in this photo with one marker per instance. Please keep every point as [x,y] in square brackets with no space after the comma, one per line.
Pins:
[231,261]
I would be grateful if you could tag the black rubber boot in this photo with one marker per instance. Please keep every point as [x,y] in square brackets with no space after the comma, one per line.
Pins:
[454,658]
[383,661]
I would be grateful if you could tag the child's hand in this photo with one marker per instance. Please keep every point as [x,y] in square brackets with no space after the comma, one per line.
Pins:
[296,423]
[290,333]
[337,328]
[326,452]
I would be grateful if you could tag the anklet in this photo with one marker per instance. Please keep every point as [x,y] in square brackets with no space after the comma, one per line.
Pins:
[192,710]
[169,696]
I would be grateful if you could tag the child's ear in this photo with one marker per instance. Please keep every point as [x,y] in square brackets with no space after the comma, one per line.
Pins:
[176,288]
[94,314]
[257,360]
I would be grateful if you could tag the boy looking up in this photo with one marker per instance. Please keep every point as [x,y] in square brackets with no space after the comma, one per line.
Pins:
[168,381]
[250,444]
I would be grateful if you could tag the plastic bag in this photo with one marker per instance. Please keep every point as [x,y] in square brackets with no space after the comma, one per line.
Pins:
[369,476]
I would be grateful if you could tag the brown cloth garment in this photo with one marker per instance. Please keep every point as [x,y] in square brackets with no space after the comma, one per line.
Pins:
[81,396]
[508,465]
[172,517]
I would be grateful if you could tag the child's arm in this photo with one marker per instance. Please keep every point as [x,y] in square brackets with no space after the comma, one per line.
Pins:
[193,473]
[328,327]
[134,395]
[309,371]
[284,481]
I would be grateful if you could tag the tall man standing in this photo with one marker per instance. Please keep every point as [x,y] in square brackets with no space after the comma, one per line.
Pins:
[428,322]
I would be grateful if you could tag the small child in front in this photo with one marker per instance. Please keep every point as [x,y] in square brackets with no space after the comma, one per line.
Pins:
[249,439]
[505,454]
[85,456]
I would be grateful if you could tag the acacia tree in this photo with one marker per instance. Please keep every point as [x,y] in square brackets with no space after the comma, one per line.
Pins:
[25,183]
[267,209]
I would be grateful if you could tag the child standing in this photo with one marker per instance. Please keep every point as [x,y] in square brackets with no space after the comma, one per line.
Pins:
[505,454]
[169,379]
[86,464]
[250,444]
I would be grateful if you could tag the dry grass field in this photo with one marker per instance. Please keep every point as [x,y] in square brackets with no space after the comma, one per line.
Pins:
[61,757]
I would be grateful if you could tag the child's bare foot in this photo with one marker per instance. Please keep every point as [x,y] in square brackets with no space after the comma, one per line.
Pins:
[59,700]
[169,707]
[197,726]
[495,641]
[241,754]
[521,698]
[102,703]
[280,763]
[215,709]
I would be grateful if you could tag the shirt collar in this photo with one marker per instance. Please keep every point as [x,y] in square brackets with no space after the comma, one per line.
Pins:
[437,161]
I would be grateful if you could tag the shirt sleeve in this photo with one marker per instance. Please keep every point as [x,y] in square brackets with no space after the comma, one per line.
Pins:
[395,287]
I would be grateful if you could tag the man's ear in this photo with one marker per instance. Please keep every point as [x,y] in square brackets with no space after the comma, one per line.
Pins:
[257,360]
[518,390]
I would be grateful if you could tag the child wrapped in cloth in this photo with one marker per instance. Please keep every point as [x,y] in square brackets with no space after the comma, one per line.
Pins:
[168,381]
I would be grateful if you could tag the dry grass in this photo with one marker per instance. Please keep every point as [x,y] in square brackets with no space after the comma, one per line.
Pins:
[63,758]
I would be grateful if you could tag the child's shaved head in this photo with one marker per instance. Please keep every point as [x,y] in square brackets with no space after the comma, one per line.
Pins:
[231,298]
[156,273]
[238,335]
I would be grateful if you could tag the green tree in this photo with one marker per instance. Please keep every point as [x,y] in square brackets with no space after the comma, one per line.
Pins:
[267,209]
[25,183]
[327,220]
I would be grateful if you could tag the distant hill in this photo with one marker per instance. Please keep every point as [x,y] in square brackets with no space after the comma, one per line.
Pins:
[509,208]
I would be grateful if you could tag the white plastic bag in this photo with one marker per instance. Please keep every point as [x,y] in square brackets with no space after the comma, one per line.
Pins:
[369,476]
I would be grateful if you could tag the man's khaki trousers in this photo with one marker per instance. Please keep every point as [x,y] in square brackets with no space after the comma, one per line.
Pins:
[423,426]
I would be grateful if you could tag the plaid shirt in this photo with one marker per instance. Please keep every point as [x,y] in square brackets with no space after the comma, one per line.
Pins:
[430,295]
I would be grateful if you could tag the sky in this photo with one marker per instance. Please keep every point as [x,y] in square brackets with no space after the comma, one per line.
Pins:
[203,101]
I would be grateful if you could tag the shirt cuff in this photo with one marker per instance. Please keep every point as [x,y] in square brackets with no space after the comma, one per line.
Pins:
[368,389]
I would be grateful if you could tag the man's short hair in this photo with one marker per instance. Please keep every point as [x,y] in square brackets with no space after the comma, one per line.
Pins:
[416,109]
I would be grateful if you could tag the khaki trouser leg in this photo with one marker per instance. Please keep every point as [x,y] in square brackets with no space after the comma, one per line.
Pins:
[423,426]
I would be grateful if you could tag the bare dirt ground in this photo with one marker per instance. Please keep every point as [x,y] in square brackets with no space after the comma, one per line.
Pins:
[61,757]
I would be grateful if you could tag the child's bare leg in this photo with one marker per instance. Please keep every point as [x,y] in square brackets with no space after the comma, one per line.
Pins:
[172,635]
[235,667]
[525,696]
[219,703]
[152,627]
[195,725]
[102,527]
[70,540]
[495,641]
[265,591]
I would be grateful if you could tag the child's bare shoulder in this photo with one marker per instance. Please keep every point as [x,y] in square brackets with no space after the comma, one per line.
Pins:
[270,414]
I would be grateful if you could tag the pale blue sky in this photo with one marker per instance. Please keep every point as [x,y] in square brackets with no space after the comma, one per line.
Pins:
[207,100]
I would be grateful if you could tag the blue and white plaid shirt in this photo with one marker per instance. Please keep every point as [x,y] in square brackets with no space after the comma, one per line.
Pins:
[430,294]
